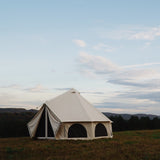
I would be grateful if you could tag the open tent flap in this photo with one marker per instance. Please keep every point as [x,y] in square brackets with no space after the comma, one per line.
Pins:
[33,124]
[55,122]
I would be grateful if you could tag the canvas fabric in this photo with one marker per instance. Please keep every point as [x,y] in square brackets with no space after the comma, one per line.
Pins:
[55,122]
[33,124]
[72,107]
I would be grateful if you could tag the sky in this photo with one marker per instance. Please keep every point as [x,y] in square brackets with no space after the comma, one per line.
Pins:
[108,50]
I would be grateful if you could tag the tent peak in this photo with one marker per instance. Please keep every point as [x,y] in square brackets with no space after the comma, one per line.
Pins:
[73,91]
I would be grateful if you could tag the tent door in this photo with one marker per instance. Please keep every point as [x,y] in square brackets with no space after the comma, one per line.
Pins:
[44,127]
[49,128]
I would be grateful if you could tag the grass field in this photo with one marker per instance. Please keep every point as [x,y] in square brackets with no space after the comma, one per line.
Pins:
[128,145]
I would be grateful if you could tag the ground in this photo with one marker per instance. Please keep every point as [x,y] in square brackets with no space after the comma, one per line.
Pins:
[128,145]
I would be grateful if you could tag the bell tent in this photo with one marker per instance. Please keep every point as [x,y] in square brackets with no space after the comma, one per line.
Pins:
[69,116]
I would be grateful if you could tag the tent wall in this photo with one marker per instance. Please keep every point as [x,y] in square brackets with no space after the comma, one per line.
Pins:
[64,128]
[89,126]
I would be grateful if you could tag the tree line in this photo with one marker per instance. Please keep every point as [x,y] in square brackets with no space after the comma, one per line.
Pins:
[15,124]
[134,123]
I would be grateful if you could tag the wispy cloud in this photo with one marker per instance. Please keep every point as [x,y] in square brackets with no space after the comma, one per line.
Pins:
[130,104]
[98,64]
[133,33]
[62,89]
[79,42]
[146,34]
[152,84]
[144,94]
[141,83]
[103,47]
[12,86]
[141,65]
[96,93]
[37,88]
[121,75]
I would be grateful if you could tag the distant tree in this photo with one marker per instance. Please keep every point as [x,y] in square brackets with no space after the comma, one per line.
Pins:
[119,124]
[145,123]
[133,123]
[156,123]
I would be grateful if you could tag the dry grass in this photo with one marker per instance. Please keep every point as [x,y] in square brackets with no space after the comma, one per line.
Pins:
[129,145]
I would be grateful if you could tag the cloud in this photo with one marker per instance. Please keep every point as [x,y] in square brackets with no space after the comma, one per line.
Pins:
[133,33]
[62,89]
[88,73]
[103,47]
[16,87]
[121,75]
[12,86]
[97,64]
[6,98]
[142,78]
[149,95]
[37,88]
[141,65]
[139,85]
[129,104]
[125,110]
[12,106]
[79,42]
[99,93]
[122,105]
[152,84]
[147,34]
[10,100]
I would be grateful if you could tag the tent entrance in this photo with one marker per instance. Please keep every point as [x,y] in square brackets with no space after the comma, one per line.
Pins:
[44,128]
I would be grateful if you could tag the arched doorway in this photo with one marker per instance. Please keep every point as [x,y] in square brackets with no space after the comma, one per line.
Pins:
[77,131]
[100,130]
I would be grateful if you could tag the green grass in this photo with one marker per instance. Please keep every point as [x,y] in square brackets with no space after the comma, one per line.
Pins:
[128,145]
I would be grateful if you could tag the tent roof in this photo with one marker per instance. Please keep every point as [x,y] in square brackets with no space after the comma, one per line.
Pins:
[72,107]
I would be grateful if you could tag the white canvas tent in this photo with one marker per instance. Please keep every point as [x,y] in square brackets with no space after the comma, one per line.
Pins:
[69,116]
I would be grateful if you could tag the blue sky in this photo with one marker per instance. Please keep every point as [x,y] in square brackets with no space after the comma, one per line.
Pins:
[108,50]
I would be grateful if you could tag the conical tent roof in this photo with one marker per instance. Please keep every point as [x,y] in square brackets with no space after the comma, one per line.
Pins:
[72,107]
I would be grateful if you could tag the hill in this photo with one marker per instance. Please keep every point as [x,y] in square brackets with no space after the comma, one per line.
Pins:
[16,110]
[108,114]
[128,116]
[128,145]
